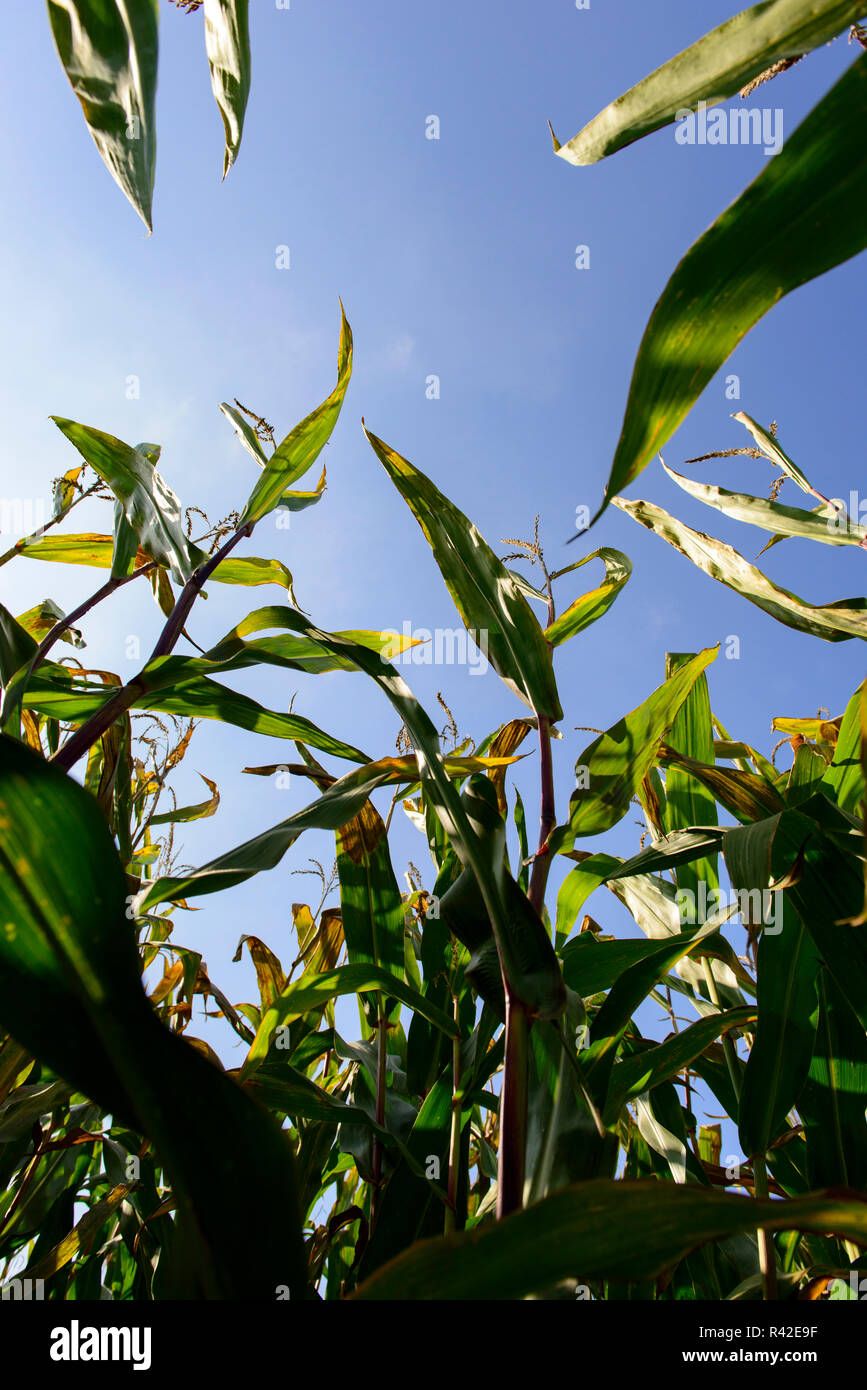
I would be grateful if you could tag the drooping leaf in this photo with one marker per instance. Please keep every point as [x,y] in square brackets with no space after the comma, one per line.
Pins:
[227,43]
[835,622]
[591,606]
[680,847]
[710,70]
[823,525]
[493,608]
[58,695]
[600,1229]
[640,1073]
[338,805]
[798,220]
[97,550]
[40,620]
[151,508]
[109,51]
[200,811]
[746,795]
[293,650]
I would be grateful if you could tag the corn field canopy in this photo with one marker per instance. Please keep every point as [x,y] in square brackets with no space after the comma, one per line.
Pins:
[518,1071]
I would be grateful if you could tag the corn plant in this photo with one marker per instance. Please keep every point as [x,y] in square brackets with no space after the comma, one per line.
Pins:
[502,1127]
[502,1091]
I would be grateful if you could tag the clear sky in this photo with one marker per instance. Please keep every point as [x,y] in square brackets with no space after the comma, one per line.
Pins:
[453,257]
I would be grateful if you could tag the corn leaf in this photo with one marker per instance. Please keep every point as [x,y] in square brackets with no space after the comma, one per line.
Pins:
[603,1229]
[796,221]
[592,605]
[712,69]
[303,445]
[108,49]
[67,939]
[823,525]
[227,44]
[312,992]
[613,766]
[151,508]
[835,622]
[488,598]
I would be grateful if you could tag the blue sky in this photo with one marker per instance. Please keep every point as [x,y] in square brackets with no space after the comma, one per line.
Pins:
[453,257]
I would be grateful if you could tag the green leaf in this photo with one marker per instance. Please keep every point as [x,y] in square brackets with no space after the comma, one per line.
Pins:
[797,220]
[823,525]
[252,570]
[786,970]
[245,432]
[312,992]
[201,811]
[17,646]
[520,956]
[292,650]
[411,1208]
[680,847]
[687,801]
[474,841]
[827,892]
[370,900]
[337,806]
[109,51]
[586,610]
[126,547]
[591,966]
[835,622]
[284,1089]
[612,768]
[712,69]
[69,943]
[637,1074]
[603,1229]
[634,985]
[151,508]
[168,688]
[520,818]
[227,43]
[846,775]
[592,870]
[291,501]
[303,445]
[488,598]
[831,1103]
